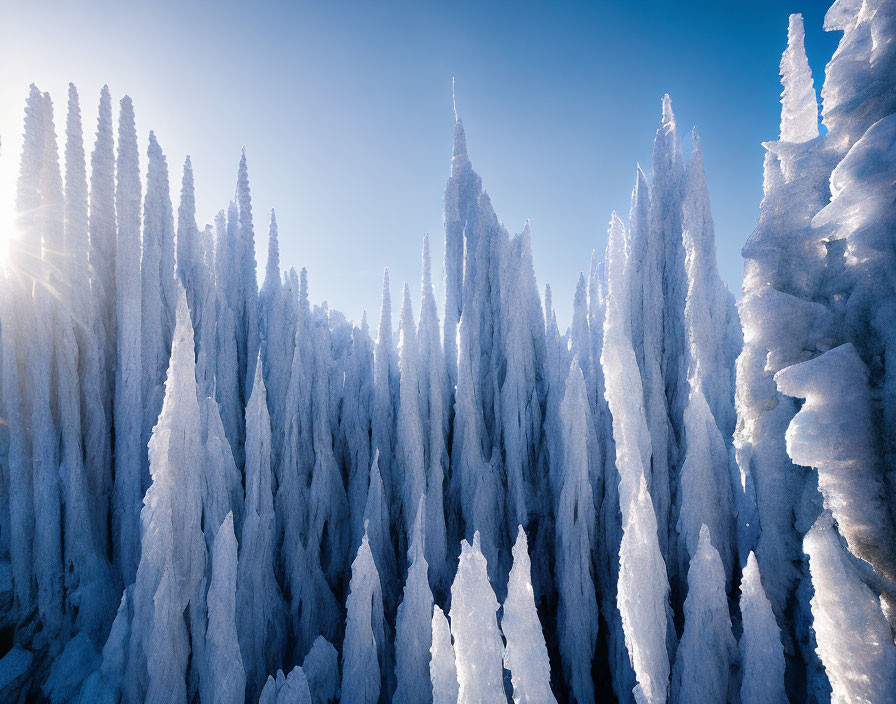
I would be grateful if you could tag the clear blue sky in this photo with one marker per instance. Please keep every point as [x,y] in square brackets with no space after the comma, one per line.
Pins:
[345,112]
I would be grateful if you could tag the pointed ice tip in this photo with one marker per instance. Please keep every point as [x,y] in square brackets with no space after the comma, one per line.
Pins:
[460,143]
[454,101]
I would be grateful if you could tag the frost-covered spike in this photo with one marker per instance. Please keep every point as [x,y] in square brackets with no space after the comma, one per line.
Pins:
[413,634]
[761,652]
[707,647]
[272,270]
[225,665]
[575,518]
[376,523]
[832,432]
[173,551]
[286,689]
[408,427]
[156,279]
[525,654]
[19,473]
[385,384]
[245,282]
[189,254]
[855,642]
[459,152]
[434,412]
[799,111]
[129,449]
[321,668]
[705,487]
[478,649]
[260,607]
[643,588]
[102,257]
[579,335]
[442,666]
[364,632]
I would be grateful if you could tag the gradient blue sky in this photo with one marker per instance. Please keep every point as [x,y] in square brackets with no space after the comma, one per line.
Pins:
[345,111]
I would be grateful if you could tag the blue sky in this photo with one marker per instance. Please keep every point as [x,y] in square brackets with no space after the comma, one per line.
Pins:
[345,112]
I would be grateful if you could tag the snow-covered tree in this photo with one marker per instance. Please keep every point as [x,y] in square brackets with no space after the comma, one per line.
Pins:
[478,649]
[525,654]
[707,647]
[761,653]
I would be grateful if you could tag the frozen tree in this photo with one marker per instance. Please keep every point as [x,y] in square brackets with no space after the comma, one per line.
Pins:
[413,634]
[173,551]
[525,654]
[364,632]
[442,666]
[433,411]
[129,449]
[761,653]
[799,116]
[260,609]
[227,679]
[577,609]
[642,592]
[855,642]
[478,649]
[707,646]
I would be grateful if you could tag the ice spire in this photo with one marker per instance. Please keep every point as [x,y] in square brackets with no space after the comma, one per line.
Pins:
[129,448]
[410,435]
[707,647]
[173,555]
[761,653]
[433,389]
[384,383]
[246,282]
[157,229]
[799,111]
[577,611]
[442,667]
[413,634]
[478,648]
[103,245]
[272,269]
[260,608]
[225,666]
[525,654]
[364,632]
